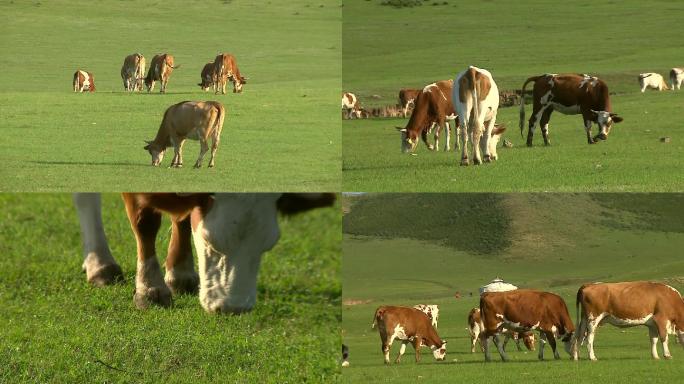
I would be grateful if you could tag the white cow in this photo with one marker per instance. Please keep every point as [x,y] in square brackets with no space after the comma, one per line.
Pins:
[231,231]
[676,78]
[350,104]
[476,101]
[652,80]
[431,310]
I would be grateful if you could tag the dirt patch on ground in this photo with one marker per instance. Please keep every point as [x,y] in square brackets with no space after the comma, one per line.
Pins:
[350,302]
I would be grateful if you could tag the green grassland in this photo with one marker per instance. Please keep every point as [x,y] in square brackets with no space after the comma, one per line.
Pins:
[402,249]
[281,133]
[58,329]
[387,48]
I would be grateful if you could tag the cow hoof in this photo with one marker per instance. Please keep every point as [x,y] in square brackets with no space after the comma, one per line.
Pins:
[153,296]
[211,165]
[668,357]
[529,144]
[105,275]
[487,159]
[465,162]
[197,166]
[183,283]
[477,161]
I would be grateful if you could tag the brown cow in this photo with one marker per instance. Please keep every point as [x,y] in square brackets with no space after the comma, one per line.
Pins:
[133,72]
[569,94]
[161,67]
[351,106]
[208,78]
[475,327]
[83,81]
[225,68]
[407,98]
[407,325]
[525,310]
[655,305]
[196,120]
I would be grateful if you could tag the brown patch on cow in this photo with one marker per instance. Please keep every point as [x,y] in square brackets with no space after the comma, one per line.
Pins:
[472,80]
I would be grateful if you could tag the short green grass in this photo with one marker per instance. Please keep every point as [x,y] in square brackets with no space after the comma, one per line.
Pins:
[281,133]
[57,328]
[557,242]
[388,48]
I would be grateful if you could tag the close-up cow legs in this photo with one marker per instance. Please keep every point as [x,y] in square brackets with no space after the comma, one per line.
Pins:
[181,276]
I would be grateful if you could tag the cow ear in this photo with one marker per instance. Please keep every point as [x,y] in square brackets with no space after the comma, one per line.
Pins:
[616,118]
[147,147]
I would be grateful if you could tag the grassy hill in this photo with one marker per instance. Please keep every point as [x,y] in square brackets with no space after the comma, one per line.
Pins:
[427,249]
[281,133]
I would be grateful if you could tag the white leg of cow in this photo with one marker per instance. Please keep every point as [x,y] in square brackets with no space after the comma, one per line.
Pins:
[149,284]
[666,348]
[578,338]
[591,332]
[228,255]
[587,128]
[447,146]
[98,263]
[653,334]
[477,136]
[488,126]
[464,141]
[401,351]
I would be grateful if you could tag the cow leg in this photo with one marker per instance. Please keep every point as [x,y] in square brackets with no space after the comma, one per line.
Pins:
[550,337]
[475,137]
[386,346]
[544,124]
[587,127]
[500,347]
[653,334]
[474,337]
[204,147]
[542,343]
[661,323]
[438,131]
[532,123]
[578,337]
[402,349]
[180,267]
[447,145]
[489,153]
[416,346]
[150,288]
[214,148]
[484,342]
[464,149]
[424,136]
[98,262]
[592,325]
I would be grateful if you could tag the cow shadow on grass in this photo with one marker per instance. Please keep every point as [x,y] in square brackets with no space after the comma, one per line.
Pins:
[91,163]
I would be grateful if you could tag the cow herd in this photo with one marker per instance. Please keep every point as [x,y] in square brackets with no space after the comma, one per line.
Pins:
[471,101]
[517,313]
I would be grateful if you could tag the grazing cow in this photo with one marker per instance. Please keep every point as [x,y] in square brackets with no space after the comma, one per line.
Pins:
[676,78]
[225,68]
[196,120]
[133,72]
[476,98]
[231,231]
[432,107]
[475,327]
[431,310]
[569,94]
[655,305]
[208,78]
[407,325]
[161,67]
[526,310]
[350,105]
[407,98]
[83,81]
[345,356]
[651,80]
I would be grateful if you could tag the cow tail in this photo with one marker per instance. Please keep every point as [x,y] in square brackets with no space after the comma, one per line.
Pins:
[522,102]
[377,316]
[476,110]
[218,123]
[76,81]
[579,338]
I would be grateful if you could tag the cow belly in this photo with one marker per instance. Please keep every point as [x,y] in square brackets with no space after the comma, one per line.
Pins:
[565,109]
[626,323]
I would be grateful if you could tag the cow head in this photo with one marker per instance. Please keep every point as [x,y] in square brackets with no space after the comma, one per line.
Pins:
[149,84]
[605,121]
[528,340]
[569,343]
[156,152]
[408,144]
[439,351]
[238,81]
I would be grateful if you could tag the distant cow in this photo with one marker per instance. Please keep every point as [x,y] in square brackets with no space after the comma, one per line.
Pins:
[195,120]
[133,72]
[83,81]
[208,77]
[476,100]
[569,94]
[651,80]
[407,98]
[350,105]
[526,310]
[225,68]
[407,325]
[431,310]
[676,78]
[432,107]
[161,67]
[657,306]
[475,328]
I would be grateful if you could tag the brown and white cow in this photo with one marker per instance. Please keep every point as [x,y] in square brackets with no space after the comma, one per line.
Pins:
[133,72]
[407,98]
[431,310]
[410,326]
[569,94]
[475,327]
[652,80]
[432,107]
[208,77]
[195,120]
[231,231]
[657,306]
[225,68]
[161,67]
[350,105]
[526,310]
[83,81]
[676,78]
[476,101]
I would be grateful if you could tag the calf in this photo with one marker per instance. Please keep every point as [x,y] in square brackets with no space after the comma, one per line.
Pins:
[569,94]
[476,100]
[225,68]
[83,81]
[208,77]
[161,67]
[475,327]
[350,105]
[231,231]
[431,310]
[651,80]
[407,325]
[133,72]
[676,78]
[657,306]
[196,120]
[525,310]
[407,99]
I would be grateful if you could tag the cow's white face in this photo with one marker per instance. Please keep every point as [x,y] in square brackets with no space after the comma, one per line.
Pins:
[237,84]
[408,145]
[439,352]
[230,239]
[156,153]
[605,121]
